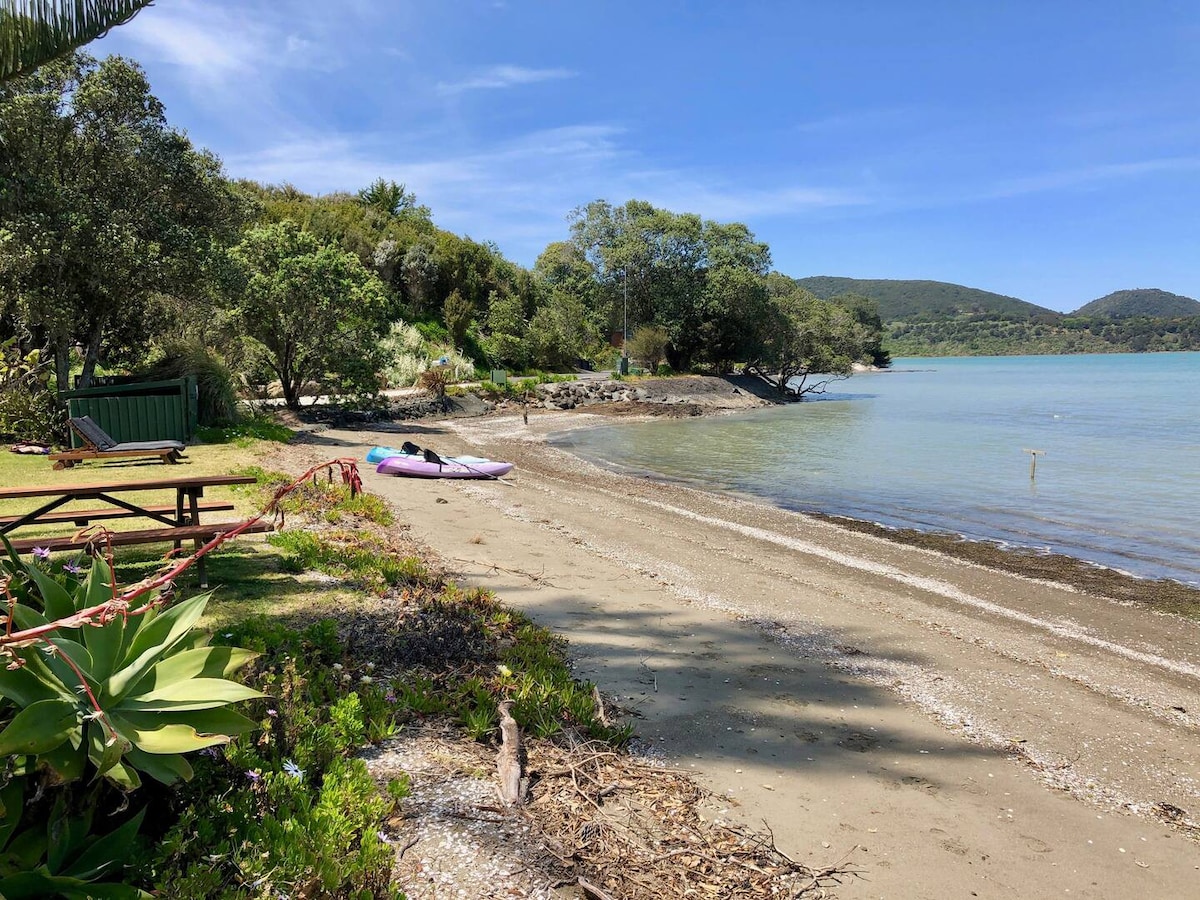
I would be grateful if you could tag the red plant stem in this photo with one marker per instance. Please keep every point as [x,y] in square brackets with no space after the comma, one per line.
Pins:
[100,714]
[120,603]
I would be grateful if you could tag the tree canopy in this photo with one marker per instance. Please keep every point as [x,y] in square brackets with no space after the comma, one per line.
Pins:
[316,311]
[102,206]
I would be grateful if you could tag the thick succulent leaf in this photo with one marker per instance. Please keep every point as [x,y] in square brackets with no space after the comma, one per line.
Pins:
[209,691]
[57,602]
[36,885]
[104,643]
[168,627]
[28,617]
[104,752]
[27,848]
[106,853]
[203,662]
[125,777]
[39,727]
[97,588]
[32,682]
[152,643]
[67,833]
[151,733]
[165,767]
[109,890]
[78,654]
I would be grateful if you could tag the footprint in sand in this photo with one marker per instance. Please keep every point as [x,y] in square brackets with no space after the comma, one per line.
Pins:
[920,783]
[859,742]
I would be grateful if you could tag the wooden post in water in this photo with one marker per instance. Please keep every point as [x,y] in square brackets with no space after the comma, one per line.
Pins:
[1033,455]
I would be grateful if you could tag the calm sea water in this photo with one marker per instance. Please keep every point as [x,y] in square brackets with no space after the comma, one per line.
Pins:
[939,444]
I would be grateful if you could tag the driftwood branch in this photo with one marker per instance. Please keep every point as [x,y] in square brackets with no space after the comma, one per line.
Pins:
[508,760]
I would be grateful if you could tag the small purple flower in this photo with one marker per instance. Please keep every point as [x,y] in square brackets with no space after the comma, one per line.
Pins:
[389,697]
[272,713]
[72,569]
[253,775]
[292,769]
[211,751]
[42,553]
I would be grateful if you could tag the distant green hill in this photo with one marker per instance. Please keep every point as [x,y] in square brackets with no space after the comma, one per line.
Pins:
[908,300]
[1140,302]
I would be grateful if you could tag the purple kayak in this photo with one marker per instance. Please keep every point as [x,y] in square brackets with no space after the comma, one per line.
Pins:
[418,467]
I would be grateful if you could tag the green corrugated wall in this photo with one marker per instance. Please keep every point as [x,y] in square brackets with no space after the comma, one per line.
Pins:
[152,411]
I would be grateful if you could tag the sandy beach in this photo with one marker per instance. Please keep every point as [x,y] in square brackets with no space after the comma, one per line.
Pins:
[949,729]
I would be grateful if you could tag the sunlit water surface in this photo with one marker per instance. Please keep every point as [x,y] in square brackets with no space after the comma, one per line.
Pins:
[940,444]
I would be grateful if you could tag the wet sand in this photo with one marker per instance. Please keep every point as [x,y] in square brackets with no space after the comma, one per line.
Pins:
[955,729]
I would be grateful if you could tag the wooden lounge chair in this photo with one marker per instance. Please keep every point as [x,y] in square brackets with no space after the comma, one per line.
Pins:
[98,444]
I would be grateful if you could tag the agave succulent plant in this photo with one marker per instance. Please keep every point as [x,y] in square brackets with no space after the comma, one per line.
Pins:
[128,691]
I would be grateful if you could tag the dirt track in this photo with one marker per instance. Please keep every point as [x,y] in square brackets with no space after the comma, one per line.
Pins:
[956,730]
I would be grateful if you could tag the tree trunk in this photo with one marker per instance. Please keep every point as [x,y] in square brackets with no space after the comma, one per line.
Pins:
[62,365]
[91,356]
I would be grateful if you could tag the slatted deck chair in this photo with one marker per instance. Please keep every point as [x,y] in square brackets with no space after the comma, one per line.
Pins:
[98,444]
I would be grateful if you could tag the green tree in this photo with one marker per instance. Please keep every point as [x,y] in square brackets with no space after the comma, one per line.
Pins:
[504,343]
[103,206]
[866,313]
[649,344]
[560,333]
[33,32]
[315,309]
[458,312]
[670,269]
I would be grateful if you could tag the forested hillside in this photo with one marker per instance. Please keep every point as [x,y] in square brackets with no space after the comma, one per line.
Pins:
[1140,302]
[899,299]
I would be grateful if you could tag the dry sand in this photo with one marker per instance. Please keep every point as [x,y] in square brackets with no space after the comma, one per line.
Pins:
[954,731]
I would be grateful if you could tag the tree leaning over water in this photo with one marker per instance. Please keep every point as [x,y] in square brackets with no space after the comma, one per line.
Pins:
[33,32]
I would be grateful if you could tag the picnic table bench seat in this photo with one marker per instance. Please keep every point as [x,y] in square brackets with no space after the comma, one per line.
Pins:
[87,516]
[144,536]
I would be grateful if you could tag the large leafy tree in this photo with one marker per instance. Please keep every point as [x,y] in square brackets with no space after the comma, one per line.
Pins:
[676,270]
[316,311]
[33,32]
[103,206]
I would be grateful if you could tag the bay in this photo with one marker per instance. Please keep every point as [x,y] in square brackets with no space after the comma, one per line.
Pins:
[940,445]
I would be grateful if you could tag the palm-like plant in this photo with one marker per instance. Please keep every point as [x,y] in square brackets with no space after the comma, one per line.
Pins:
[33,32]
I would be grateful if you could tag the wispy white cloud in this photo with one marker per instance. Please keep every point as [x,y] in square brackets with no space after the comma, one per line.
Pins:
[1087,176]
[214,43]
[519,192]
[504,76]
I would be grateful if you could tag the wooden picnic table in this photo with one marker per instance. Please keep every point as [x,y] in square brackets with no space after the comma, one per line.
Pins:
[182,520]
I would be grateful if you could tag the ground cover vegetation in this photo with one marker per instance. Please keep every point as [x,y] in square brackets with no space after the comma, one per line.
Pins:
[146,751]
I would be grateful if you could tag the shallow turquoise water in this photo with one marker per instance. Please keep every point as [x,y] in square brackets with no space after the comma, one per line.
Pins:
[939,444]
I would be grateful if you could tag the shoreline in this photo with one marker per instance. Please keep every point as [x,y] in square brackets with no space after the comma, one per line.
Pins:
[1162,594]
[946,724]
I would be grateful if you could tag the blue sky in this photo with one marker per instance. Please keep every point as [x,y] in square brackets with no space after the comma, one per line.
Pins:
[1047,150]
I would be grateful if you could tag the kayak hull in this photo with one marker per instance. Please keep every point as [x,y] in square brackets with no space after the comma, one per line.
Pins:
[417,467]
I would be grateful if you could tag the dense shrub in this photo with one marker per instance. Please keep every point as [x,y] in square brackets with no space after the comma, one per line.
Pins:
[214,380]
[29,411]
